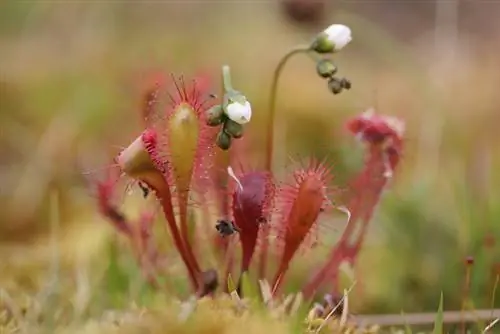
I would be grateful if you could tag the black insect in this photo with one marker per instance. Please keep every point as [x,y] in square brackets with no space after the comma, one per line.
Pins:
[226,227]
[145,189]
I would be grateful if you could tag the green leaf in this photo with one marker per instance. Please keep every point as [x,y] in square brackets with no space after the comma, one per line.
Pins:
[117,279]
[248,290]
[297,322]
[438,323]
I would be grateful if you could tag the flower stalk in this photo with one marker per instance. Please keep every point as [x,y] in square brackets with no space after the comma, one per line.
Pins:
[273,98]
[331,40]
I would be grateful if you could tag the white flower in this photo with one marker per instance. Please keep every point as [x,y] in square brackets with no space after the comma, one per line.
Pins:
[339,35]
[238,112]
[332,39]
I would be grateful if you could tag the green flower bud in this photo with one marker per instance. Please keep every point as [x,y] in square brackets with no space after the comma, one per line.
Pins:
[234,129]
[223,140]
[325,68]
[215,115]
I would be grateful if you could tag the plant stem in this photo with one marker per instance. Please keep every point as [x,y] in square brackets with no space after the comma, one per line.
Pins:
[226,78]
[224,244]
[166,204]
[465,296]
[368,187]
[264,251]
[272,101]
[226,158]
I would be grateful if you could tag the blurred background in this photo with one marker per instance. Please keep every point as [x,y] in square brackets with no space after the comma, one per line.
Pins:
[71,74]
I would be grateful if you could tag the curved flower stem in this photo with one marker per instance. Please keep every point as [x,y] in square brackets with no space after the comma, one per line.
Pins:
[272,101]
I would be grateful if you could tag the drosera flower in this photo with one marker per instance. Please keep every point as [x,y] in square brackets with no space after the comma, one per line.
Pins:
[301,202]
[174,171]
[234,111]
[332,39]
[383,137]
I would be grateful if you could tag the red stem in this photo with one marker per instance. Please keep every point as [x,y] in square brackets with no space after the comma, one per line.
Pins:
[145,259]
[178,242]
[264,251]
[368,189]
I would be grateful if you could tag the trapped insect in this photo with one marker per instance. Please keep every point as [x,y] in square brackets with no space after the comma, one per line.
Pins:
[226,227]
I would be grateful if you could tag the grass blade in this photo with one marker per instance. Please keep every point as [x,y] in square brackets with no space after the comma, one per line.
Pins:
[230,284]
[407,326]
[438,323]
[248,290]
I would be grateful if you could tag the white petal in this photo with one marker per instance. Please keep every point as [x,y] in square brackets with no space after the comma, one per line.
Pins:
[240,113]
[339,35]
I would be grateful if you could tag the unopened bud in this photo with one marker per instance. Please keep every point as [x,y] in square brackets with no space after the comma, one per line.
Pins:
[234,129]
[335,85]
[215,115]
[325,68]
[346,84]
[223,140]
[332,39]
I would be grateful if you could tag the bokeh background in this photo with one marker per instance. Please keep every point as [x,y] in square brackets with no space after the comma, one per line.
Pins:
[71,74]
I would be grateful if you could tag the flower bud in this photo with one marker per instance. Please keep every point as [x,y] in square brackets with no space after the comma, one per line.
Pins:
[240,113]
[335,85]
[237,107]
[215,115]
[346,84]
[234,129]
[332,39]
[223,140]
[325,68]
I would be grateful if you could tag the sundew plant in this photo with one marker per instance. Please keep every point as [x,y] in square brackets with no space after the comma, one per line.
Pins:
[261,223]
